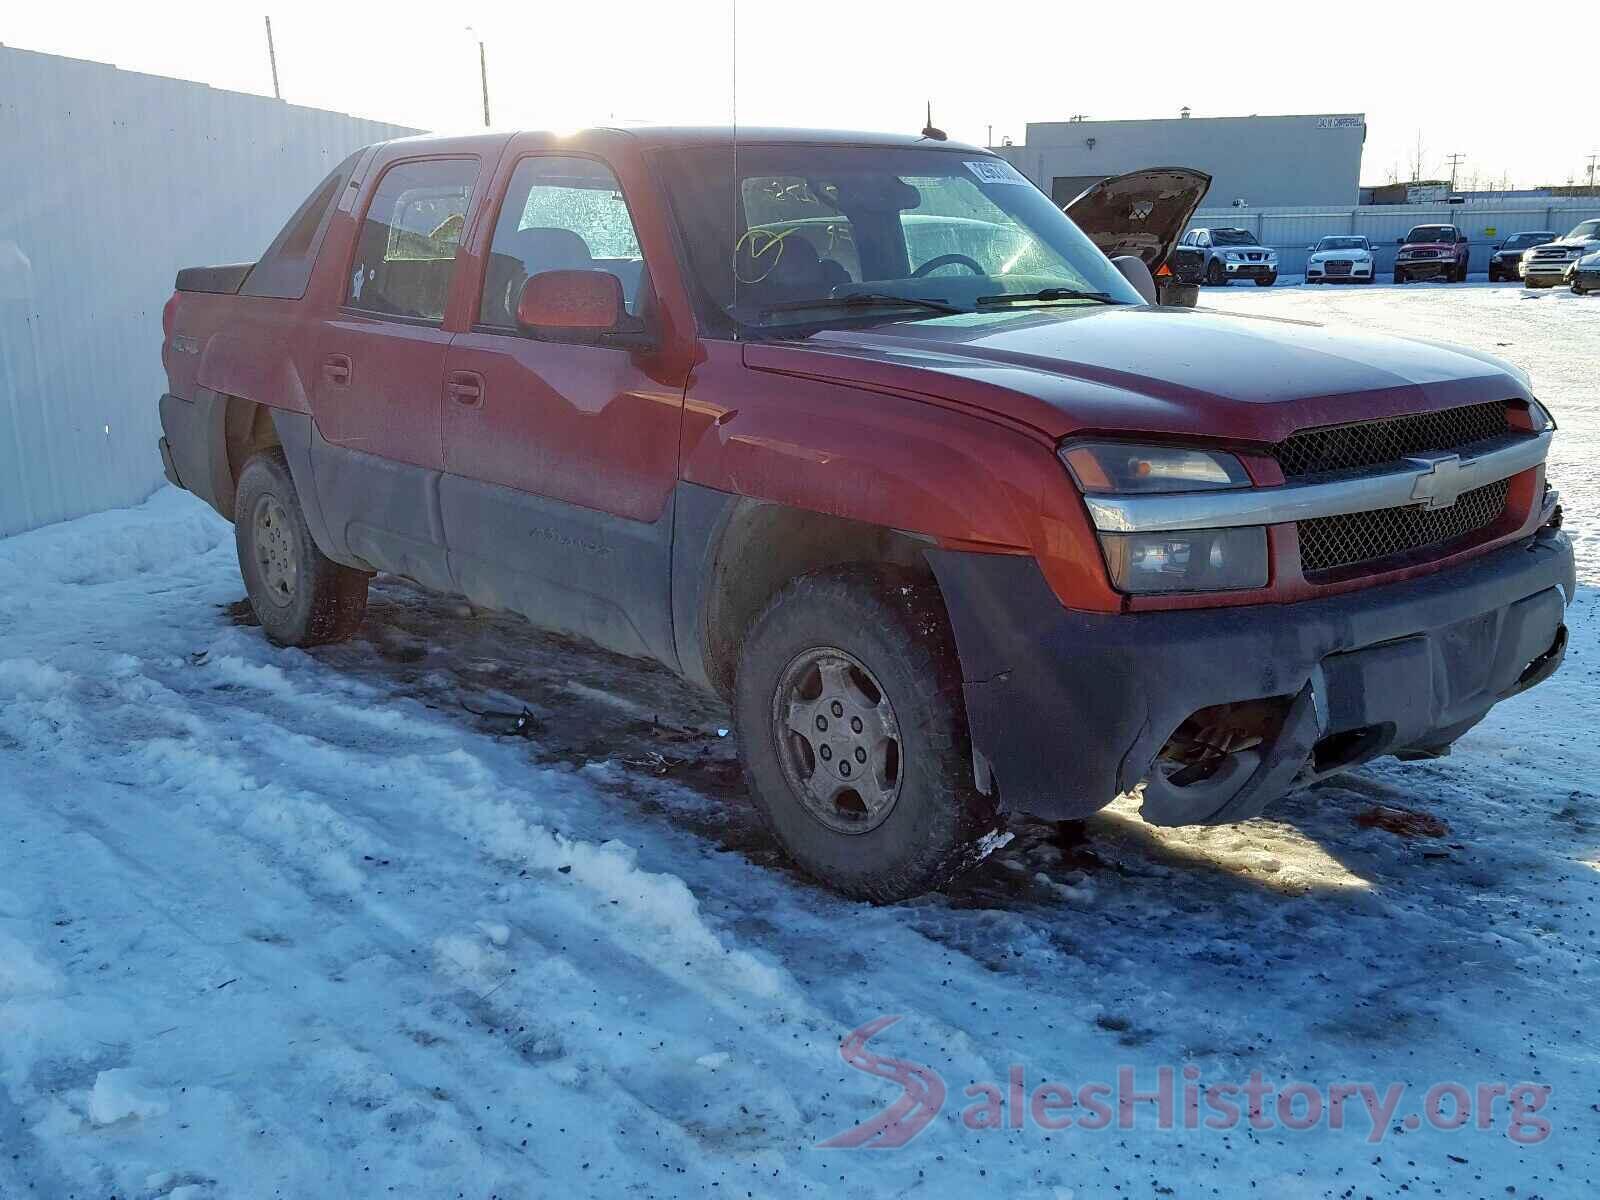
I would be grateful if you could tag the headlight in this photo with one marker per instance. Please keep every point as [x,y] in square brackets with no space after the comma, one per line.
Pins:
[1118,467]
[1201,560]
[1232,256]
[1540,417]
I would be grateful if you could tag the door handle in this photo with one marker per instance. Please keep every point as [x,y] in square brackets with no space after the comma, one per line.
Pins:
[465,388]
[336,369]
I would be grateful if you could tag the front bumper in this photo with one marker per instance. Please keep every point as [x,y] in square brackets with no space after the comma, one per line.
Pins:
[1249,270]
[1588,277]
[1071,709]
[1548,271]
[1425,268]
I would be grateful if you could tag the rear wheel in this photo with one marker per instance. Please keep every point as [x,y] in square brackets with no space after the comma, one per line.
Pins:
[1266,280]
[300,596]
[854,737]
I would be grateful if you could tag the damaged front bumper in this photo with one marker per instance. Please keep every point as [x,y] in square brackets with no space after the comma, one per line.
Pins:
[1070,709]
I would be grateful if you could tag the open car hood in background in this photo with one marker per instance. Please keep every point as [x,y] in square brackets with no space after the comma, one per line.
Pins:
[1142,212]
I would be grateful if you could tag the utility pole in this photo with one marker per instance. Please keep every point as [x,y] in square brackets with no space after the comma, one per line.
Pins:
[1455,161]
[272,57]
[483,75]
[1592,160]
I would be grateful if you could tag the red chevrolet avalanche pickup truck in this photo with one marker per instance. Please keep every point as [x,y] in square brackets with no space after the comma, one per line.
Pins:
[866,435]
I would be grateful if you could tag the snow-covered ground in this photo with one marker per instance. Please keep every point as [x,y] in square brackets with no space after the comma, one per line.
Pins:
[292,924]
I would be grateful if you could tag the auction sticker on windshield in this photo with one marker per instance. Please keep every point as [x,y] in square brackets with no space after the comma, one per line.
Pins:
[994,170]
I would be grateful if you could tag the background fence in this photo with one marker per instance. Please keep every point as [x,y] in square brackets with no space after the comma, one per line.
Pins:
[114,180]
[1290,230]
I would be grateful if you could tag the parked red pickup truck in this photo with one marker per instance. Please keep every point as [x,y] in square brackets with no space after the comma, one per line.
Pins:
[866,435]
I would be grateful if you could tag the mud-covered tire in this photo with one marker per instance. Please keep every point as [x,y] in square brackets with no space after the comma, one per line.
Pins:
[891,622]
[1215,275]
[300,596]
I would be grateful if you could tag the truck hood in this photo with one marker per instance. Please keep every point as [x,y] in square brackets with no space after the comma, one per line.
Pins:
[1176,371]
[1142,212]
[1449,246]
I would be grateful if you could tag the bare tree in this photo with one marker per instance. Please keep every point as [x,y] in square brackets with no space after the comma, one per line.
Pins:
[1417,160]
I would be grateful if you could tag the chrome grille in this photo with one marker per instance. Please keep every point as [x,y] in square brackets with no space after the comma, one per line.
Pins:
[1362,444]
[1337,266]
[1328,543]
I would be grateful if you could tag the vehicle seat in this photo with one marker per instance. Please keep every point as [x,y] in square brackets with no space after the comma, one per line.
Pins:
[798,274]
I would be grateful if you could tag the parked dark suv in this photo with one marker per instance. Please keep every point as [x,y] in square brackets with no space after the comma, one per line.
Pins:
[1506,261]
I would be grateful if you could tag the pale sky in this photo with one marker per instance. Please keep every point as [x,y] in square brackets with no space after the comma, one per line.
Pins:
[872,64]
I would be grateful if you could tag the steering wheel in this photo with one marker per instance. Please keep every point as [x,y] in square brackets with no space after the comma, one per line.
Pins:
[946,260]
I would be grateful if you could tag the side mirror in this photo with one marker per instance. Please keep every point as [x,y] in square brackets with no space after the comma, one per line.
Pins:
[572,301]
[1399,241]
[1135,272]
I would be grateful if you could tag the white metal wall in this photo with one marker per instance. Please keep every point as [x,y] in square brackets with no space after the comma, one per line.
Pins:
[114,180]
[1291,230]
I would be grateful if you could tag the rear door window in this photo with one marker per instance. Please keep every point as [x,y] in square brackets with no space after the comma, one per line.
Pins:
[406,253]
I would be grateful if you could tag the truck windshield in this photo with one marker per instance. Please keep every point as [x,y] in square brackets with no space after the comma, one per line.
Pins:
[1586,229]
[811,222]
[1431,233]
[1233,237]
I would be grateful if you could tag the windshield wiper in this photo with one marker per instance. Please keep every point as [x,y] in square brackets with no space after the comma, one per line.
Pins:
[1047,294]
[860,300]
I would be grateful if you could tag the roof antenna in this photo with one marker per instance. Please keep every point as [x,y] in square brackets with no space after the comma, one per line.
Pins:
[930,130]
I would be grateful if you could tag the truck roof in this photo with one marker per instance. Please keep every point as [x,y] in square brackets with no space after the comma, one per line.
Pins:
[685,136]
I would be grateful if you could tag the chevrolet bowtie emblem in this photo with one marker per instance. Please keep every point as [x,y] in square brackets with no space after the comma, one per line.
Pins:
[1441,483]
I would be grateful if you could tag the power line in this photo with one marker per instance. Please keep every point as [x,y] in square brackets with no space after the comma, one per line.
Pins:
[1455,161]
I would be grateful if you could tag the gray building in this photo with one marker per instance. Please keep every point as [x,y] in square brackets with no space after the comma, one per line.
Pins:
[1262,161]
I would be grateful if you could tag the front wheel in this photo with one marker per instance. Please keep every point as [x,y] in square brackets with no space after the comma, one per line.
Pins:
[1266,280]
[1215,275]
[853,732]
[1399,277]
[300,596]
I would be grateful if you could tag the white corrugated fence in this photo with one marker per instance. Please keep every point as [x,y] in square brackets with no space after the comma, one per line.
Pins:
[114,180]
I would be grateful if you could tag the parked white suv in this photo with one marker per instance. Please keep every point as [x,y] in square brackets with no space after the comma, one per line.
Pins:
[1546,265]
